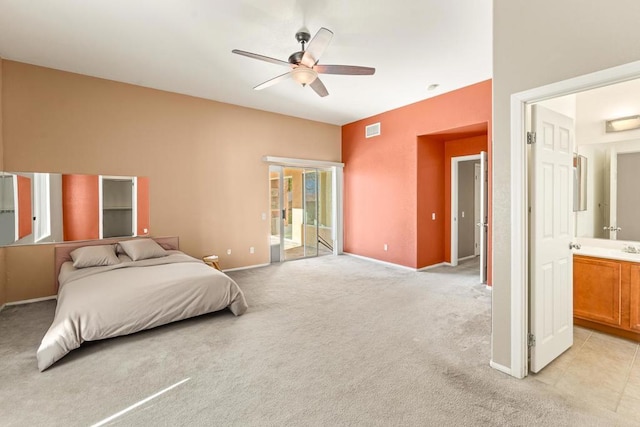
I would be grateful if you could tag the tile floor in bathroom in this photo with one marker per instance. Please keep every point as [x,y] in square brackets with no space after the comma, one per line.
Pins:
[599,369]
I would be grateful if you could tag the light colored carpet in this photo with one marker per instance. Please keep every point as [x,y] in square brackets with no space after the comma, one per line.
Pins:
[326,341]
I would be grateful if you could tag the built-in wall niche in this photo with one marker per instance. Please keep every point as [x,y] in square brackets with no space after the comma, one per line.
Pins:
[48,207]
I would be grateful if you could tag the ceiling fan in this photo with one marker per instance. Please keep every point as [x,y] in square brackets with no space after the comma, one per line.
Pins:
[304,63]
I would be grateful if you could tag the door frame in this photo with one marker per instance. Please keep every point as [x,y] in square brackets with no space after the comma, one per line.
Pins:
[519,195]
[455,163]
[477,214]
[337,189]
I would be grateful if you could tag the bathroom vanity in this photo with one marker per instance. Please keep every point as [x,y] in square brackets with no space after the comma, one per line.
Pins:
[606,291]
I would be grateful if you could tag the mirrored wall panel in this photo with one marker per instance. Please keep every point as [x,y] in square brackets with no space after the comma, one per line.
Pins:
[49,207]
[613,199]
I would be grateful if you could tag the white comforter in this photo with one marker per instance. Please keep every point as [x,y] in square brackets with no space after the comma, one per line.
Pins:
[103,302]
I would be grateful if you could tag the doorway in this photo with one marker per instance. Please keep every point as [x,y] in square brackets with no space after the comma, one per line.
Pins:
[117,206]
[469,188]
[522,307]
[301,212]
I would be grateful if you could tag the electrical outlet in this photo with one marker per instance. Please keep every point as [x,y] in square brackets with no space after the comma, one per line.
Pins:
[386,247]
[228,251]
[264,216]
[145,230]
[252,250]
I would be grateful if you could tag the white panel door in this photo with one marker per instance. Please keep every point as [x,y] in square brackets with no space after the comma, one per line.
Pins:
[484,215]
[551,268]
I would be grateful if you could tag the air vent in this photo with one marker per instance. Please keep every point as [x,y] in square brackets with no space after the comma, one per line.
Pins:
[372,130]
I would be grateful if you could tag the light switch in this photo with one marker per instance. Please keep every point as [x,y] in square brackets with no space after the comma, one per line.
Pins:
[433,216]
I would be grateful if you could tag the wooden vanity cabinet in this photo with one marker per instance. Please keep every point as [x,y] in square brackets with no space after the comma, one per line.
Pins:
[606,295]
[634,298]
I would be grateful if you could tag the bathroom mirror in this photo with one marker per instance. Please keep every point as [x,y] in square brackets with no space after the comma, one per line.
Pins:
[579,183]
[40,208]
[613,200]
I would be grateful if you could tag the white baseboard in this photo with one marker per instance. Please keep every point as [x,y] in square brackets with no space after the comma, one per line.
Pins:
[2,307]
[429,267]
[500,367]
[489,287]
[248,267]
[377,261]
[29,301]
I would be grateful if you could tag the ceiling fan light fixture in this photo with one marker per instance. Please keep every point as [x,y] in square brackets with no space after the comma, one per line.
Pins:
[304,75]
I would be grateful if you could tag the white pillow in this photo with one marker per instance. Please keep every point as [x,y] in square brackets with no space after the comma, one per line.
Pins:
[94,256]
[140,249]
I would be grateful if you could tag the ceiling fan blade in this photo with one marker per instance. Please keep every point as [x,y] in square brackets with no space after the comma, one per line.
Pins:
[273,81]
[352,70]
[260,57]
[319,87]
[316,46]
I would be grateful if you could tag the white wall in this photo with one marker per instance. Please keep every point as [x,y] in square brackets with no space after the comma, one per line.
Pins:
[536,43]
[595,106]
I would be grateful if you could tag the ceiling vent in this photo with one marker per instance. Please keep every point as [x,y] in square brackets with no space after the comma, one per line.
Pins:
[372,130]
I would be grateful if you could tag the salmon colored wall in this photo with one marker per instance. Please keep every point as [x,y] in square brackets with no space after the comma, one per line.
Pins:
[456,148]
[431,196]
[143,206]
[379,190]
[207,181]
[80,207]
[381,174]
[25,221]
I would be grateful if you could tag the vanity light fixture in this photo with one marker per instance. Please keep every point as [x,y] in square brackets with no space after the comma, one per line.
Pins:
[622,124]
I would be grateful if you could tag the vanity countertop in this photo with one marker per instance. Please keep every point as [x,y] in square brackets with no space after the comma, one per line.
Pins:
[610,253]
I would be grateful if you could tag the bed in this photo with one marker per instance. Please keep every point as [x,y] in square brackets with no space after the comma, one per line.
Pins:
[112,288]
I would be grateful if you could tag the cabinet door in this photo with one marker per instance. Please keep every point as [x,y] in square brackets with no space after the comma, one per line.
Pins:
[596,290]
[634,298]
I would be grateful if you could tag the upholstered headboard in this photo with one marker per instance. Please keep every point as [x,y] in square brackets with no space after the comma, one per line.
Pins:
[62,252]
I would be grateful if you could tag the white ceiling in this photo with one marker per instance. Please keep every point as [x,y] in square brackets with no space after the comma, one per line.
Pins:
[184,46]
